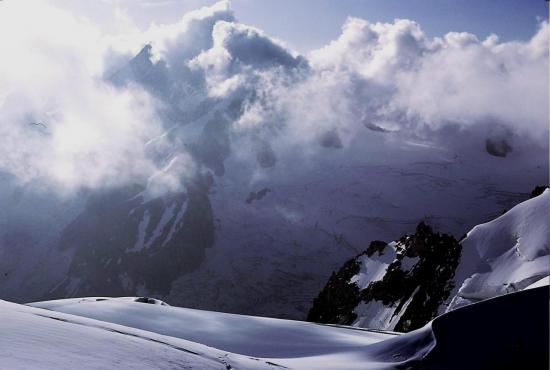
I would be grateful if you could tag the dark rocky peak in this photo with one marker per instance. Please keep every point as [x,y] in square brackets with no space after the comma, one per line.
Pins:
[498,148]
[376,246]
[257,195]
[339,297]
[412,288]
[330,139]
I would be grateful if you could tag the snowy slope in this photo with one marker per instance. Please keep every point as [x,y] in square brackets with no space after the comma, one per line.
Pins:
[290,343]
[506,254]
[33,338]
[478,336]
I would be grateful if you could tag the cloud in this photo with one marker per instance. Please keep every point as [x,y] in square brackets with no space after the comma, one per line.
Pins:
[468,82]
[60,122]
[81,108]
[66,125]
[375,51]
[239,55]
[177,43]
[390,77]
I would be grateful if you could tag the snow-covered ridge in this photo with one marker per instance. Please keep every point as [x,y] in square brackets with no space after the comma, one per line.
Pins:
[505,255]
[102,332]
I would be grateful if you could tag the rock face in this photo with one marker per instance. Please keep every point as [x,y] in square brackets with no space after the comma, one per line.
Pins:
[402,285]
[498,148]
[265,156]
[330,139]
[257,195]
[121,240]
[338,299]
[416,281]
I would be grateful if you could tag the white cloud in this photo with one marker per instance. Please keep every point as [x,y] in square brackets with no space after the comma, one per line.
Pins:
[392,75]
[176,43]
[59,121]
[383,76]
[468,82]
[239,55]
[373,50]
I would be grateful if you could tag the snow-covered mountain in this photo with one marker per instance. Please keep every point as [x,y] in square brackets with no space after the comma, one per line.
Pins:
[274,169]
[40,339]
[403,284]
[144,333]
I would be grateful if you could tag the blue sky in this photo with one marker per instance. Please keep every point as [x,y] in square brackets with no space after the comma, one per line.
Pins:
[309,24]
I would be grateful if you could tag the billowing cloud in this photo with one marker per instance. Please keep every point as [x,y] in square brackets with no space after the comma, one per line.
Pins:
[59,121]
[240,55]
[75,111]
[176,43]
[375,51]
[392,77]
[467,81]
[62,120]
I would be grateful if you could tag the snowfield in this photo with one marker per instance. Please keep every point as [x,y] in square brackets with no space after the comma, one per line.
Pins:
[128,333]
[39,339]
[290,343]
